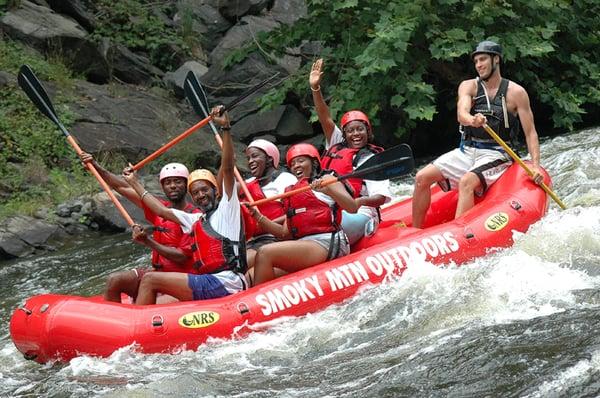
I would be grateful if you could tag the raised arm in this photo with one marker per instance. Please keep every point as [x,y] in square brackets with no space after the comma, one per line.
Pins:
[321,107]
[116,182]
[151,202]
[225,176]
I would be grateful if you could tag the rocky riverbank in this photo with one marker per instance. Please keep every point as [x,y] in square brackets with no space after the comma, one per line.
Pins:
[127,106]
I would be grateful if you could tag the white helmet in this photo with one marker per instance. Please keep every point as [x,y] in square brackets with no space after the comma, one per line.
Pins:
[173,170]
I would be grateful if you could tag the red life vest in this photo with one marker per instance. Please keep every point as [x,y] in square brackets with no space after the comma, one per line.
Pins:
[271,210]
[343,160]
[213,252]
[307,215]
[169,233]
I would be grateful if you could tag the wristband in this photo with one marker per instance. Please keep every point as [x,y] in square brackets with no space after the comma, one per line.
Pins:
[144,194]
[318,89]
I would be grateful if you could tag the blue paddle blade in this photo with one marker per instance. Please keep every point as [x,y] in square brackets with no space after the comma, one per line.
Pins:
[393,162]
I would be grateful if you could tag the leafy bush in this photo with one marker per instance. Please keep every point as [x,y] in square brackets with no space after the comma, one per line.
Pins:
[406,58]
[33,154]
[133,24]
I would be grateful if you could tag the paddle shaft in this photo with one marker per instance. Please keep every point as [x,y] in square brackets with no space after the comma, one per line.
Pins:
[103,183]
[198,125]
[359,173]
[517,159]
[36,93]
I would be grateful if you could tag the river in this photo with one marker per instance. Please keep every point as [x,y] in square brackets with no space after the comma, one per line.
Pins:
[522,322]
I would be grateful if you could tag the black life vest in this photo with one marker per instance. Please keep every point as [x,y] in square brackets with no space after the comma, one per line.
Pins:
[495,113]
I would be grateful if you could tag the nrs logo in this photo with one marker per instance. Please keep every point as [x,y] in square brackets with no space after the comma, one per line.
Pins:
[496,222]
[201,319]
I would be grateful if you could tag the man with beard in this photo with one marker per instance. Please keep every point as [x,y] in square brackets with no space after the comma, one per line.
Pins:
[171,248]
[219,239]
[480,161]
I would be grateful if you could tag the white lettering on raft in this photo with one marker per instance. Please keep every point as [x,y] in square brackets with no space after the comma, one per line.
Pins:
[350,274]
[276,300]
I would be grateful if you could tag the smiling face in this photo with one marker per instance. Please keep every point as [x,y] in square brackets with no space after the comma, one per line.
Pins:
[301,166]
[175,188]
[203,194]
[258,161]
[484,64]
[356,134]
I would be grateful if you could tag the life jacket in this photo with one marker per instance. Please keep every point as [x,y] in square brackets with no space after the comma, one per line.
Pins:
[343,160]
[169,233]
[505,124]
[272,209]
[307,215]
[212,252]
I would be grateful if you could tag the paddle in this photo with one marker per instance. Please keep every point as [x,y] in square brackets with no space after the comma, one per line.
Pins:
[517,159]
[36,93]
[392,162]
[197,98]
[200,124]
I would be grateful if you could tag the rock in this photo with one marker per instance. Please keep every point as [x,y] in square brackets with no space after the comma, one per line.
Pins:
[235,9]
[223,86]
[51,32]
[106,215]
[7,79]
[175,80]
[283,122]
[202,20]
[76,10]
[127,66]
[21,236]
[12,247]
[62,210]
[127,119]
[242,32]
[288,11]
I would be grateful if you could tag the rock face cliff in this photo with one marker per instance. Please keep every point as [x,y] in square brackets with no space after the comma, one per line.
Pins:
[126,105]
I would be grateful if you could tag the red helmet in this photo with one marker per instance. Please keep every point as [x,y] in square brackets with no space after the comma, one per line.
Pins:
[355,115]
[302,149]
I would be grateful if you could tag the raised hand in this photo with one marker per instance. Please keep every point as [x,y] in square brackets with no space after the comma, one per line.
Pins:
[316,72]
[220,117]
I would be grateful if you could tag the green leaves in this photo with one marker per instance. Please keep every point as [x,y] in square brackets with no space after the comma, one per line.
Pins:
[404,59]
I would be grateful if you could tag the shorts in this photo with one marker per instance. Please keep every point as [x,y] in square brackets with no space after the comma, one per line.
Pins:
[340,248]
[208,286]
[357,225]
[487,164]
[260,240]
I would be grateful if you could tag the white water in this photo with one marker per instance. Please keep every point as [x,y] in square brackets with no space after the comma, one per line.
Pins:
[519,322]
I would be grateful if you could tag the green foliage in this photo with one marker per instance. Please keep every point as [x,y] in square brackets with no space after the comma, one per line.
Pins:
[35,162]
[133,24]
[406,57]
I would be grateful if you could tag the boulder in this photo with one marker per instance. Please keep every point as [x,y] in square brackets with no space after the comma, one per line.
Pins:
[202,20]
[288,11]
[22,235]
[175,80]
[235,9]
[106,215]
[284,122]
[127,66]
[76,10]
[50,32]
[244,31]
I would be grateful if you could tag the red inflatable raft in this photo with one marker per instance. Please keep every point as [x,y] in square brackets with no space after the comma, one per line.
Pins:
[56,327]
